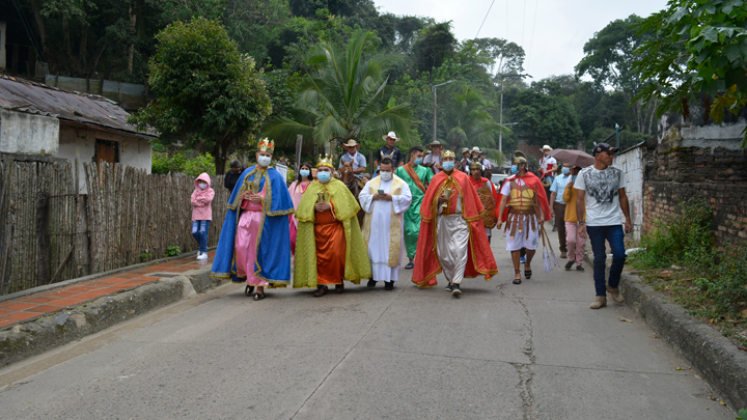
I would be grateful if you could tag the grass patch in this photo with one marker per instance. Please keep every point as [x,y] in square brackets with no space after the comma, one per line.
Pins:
[682,261]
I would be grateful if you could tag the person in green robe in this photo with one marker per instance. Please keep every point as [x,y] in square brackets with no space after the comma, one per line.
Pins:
[417,178]
[329,244]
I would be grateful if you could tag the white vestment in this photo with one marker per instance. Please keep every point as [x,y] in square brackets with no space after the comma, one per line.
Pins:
[383,227]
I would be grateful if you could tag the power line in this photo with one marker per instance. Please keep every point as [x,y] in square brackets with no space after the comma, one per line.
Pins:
[484,19]
[524,23]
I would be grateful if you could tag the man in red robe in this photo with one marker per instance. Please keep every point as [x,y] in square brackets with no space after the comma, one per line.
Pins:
[524,207]
[488,196]
[452,237]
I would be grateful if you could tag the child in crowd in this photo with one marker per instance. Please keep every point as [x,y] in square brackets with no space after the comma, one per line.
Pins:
[202,212]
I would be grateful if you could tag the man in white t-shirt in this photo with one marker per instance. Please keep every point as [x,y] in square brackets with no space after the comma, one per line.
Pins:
[601,191]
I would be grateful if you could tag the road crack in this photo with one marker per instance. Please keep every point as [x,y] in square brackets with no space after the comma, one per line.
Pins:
[526,372]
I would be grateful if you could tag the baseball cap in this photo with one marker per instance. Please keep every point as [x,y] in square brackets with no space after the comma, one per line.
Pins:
[604,147]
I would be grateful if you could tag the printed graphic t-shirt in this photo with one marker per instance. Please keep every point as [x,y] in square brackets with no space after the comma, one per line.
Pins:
[602,195]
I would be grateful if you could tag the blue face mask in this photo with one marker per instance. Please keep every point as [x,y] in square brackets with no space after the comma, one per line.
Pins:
[514,169]
[418,161]
[324,176]
[304,172]
[448,166]
[566,171]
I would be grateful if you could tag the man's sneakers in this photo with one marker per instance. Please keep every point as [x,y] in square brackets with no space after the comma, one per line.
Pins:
[455,291]
[580,268]
[568,266]
[615,294]
[388,285]
[202,255]
[523,259]
[371,283]
[599,302]
[449,287]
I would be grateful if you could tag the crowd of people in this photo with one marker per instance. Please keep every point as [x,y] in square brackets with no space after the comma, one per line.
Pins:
[434,214]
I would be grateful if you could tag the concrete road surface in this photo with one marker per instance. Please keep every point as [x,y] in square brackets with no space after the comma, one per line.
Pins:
[501,351]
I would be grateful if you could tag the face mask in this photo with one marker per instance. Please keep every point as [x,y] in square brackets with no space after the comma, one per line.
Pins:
[264,160]
[418,161]
[324,176]
[514,169]
[202,185]
[386,176]
[304,172]
[448,165]
[566,171]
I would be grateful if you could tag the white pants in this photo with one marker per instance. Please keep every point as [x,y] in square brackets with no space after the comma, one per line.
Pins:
[453,246]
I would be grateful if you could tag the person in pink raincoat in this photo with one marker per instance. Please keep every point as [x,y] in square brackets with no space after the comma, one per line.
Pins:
[202,213]
[296,190]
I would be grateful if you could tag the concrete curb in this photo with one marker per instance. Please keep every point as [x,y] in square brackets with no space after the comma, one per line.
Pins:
[716,359]
[53,286]
[47,332]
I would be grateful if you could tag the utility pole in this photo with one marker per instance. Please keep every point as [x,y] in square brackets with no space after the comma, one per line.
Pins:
[500,121]
[435,105]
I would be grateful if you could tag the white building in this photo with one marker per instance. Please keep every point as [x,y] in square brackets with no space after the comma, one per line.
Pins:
[36,119]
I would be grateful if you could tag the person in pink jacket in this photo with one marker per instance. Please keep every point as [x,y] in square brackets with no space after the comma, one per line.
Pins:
[202,213]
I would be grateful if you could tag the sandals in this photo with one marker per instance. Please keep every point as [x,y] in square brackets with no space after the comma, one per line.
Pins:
[518,273]
[259,296]
[528,274]
[409,266]
[248,291]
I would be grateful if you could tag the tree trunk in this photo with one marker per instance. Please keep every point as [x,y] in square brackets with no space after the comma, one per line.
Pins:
[638,111]
[66,44]
[41,26]
[131,52]
[651,118]
[83,50]
[220,157]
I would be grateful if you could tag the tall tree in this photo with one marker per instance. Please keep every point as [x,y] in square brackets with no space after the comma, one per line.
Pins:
[467,121]
[345,96]
[434,45]
[610,56]
[209,96]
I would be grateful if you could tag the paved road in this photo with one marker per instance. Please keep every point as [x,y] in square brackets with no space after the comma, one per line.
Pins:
[534,351]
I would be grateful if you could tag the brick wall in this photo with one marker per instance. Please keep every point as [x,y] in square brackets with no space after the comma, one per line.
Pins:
[718,175]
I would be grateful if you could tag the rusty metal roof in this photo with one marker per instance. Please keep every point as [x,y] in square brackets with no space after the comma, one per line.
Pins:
[36,98]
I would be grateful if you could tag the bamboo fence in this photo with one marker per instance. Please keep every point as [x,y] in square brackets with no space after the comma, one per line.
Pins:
[48,233]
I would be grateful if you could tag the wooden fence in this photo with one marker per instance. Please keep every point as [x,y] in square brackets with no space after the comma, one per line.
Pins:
[48,233]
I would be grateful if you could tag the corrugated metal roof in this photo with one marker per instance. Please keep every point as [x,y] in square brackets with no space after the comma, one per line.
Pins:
[26,96]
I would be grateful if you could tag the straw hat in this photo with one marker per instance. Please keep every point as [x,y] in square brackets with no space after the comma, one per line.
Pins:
[546,148]
[351,143]
[392,135]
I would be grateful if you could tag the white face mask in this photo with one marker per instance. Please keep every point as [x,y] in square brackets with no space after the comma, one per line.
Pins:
[264,160]
[202,185]
[386,176]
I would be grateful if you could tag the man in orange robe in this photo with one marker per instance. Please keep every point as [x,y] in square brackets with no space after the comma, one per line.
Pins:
[452,237]
[488,196]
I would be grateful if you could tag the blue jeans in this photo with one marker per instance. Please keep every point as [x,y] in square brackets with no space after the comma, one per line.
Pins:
[200,232]
[615,236]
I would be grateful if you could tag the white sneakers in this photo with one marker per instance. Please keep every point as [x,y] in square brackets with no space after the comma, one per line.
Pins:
[202,255]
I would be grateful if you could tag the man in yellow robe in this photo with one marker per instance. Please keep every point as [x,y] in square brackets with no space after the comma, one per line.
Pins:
[329,245]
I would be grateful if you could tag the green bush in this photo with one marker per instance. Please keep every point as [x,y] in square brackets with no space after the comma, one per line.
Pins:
[163,164]
[173,251]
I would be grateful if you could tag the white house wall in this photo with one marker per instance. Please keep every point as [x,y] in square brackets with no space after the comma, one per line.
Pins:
[80,144]
[26,133]
[631,163]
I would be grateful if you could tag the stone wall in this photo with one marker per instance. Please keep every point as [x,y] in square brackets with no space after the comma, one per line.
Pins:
[699,161]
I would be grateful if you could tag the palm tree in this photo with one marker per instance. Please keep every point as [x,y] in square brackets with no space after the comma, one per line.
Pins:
[468,123]
[345,96]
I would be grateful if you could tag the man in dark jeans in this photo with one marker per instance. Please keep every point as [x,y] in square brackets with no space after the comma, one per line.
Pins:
[601,191]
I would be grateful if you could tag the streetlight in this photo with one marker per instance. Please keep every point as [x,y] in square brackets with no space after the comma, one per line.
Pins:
[503,77]
[434,106]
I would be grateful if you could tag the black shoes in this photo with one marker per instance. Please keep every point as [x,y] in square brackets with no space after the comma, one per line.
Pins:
[568,266]
[455,291]
[388,285]
[449,287]
[371,283]
[580,268]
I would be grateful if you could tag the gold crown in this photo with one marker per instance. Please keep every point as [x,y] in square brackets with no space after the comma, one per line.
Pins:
[325,161]
[519,157]
[266,145]
[449,153]
[475,165]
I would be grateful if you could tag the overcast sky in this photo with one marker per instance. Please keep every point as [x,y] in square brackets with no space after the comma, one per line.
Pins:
[554,43]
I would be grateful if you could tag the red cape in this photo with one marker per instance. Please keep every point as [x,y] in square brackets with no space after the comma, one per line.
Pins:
[427,264]
[539,190]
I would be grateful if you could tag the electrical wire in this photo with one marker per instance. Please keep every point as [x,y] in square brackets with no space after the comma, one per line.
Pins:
[484,19]
[524,23]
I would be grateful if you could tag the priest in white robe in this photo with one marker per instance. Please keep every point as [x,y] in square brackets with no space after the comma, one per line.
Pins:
[385,199]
